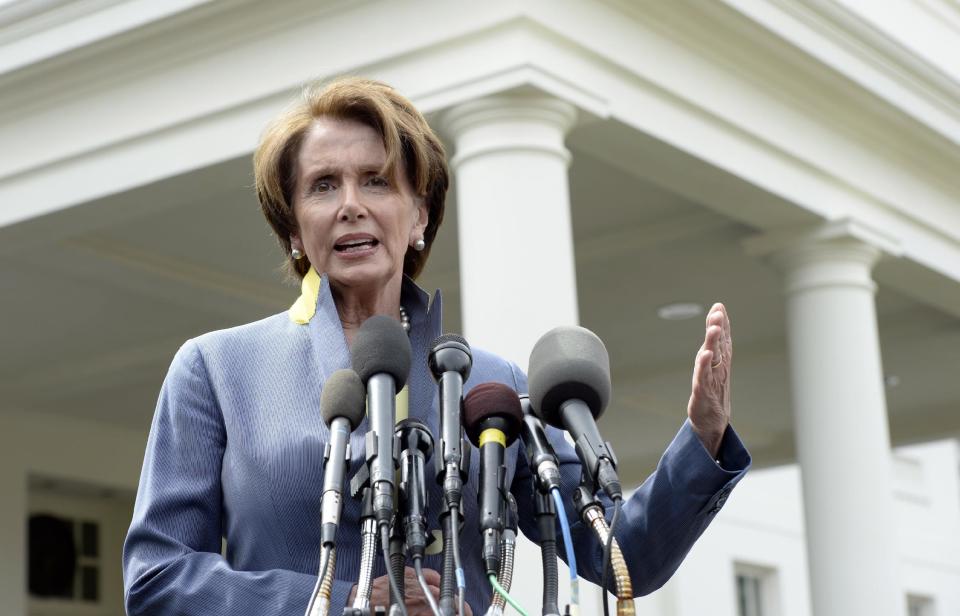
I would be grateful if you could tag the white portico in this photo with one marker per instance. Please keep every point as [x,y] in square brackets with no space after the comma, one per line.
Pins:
[608,158]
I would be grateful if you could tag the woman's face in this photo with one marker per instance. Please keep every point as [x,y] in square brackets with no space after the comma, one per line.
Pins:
[354,224]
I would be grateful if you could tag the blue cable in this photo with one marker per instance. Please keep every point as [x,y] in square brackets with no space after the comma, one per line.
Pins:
[568,547]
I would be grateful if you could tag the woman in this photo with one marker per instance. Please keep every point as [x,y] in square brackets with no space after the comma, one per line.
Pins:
[353,181]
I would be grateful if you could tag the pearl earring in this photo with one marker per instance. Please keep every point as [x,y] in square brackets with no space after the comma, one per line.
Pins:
[296,254]
[419,245]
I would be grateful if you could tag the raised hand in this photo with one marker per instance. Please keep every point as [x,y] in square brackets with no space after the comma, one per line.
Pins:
[709,406]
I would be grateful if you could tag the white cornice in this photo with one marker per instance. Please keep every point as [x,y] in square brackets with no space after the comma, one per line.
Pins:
[21,18]
[848,44]
[38,31]
[196,90]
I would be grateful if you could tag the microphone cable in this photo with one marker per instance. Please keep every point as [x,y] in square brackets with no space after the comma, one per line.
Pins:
[321,589]
[568,546]
[394,585]
[546,513]
[455,545]
[608,557]
[503,593]
[423,586]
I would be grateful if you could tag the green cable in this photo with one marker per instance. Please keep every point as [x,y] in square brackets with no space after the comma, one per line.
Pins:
[503,593]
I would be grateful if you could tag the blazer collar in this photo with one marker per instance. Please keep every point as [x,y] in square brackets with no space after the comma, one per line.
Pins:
[316,309]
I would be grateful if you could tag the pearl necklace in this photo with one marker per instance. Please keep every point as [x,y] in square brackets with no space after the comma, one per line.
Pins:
[404,320]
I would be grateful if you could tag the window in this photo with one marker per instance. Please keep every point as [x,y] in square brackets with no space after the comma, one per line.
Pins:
[64,558]
[757,591]
[920,606]
[749,595]
[75,536]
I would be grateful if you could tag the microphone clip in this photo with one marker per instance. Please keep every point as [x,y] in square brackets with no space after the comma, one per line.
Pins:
[600,464]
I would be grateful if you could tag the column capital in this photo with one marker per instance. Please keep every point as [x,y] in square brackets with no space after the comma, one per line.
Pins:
[837,253]
[841,232]
[522,122]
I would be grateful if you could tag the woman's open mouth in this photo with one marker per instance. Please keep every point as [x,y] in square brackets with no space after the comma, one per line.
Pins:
[356,245]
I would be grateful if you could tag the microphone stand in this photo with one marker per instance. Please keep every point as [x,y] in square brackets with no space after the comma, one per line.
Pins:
[416,447]
[360,488]
[546,514]
[546,474]
[449,362]
[508,547]
[592,513]
[320,601]
[398,557]
[448,584]
[452,476]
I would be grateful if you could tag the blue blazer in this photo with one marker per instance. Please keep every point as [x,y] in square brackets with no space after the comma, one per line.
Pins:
[235,453]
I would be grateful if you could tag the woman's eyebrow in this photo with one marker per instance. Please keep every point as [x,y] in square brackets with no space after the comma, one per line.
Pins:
[323,170]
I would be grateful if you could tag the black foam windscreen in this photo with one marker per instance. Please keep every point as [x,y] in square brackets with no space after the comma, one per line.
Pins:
[492,401]
[345,396]
[568,362]
[449,338]
[381,346]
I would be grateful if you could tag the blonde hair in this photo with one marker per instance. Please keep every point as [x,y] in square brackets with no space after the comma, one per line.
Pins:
[407,138]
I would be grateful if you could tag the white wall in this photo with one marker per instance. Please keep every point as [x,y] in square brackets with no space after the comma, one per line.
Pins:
[762,525]
[59,447]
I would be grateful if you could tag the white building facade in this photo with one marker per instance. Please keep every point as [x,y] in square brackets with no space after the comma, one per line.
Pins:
[752,560]
[796,161]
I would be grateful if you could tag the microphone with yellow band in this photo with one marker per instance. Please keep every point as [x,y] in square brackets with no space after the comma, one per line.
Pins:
[491,419]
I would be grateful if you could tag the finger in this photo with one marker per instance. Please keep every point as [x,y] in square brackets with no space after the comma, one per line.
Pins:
[701,367]
[712,339]
[719,307]
[432,577]
[714,321]
[727,332]
[718,315]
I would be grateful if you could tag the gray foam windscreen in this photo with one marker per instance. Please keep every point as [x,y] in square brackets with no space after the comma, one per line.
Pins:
[381,346]
[568,362]
[343,395]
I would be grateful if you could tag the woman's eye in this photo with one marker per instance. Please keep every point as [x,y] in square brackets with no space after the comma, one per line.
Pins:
[322,186]
[379,181]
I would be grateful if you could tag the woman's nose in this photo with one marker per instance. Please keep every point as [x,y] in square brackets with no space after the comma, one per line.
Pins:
[351,208]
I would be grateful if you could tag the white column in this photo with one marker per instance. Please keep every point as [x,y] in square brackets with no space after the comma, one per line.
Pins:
[517,276]
[840,416]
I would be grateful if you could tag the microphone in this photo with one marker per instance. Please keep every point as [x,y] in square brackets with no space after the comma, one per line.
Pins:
[569,388]
[381,357]
[416,446]
[539,450]
[341,406]
[450,363]
[492,418]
